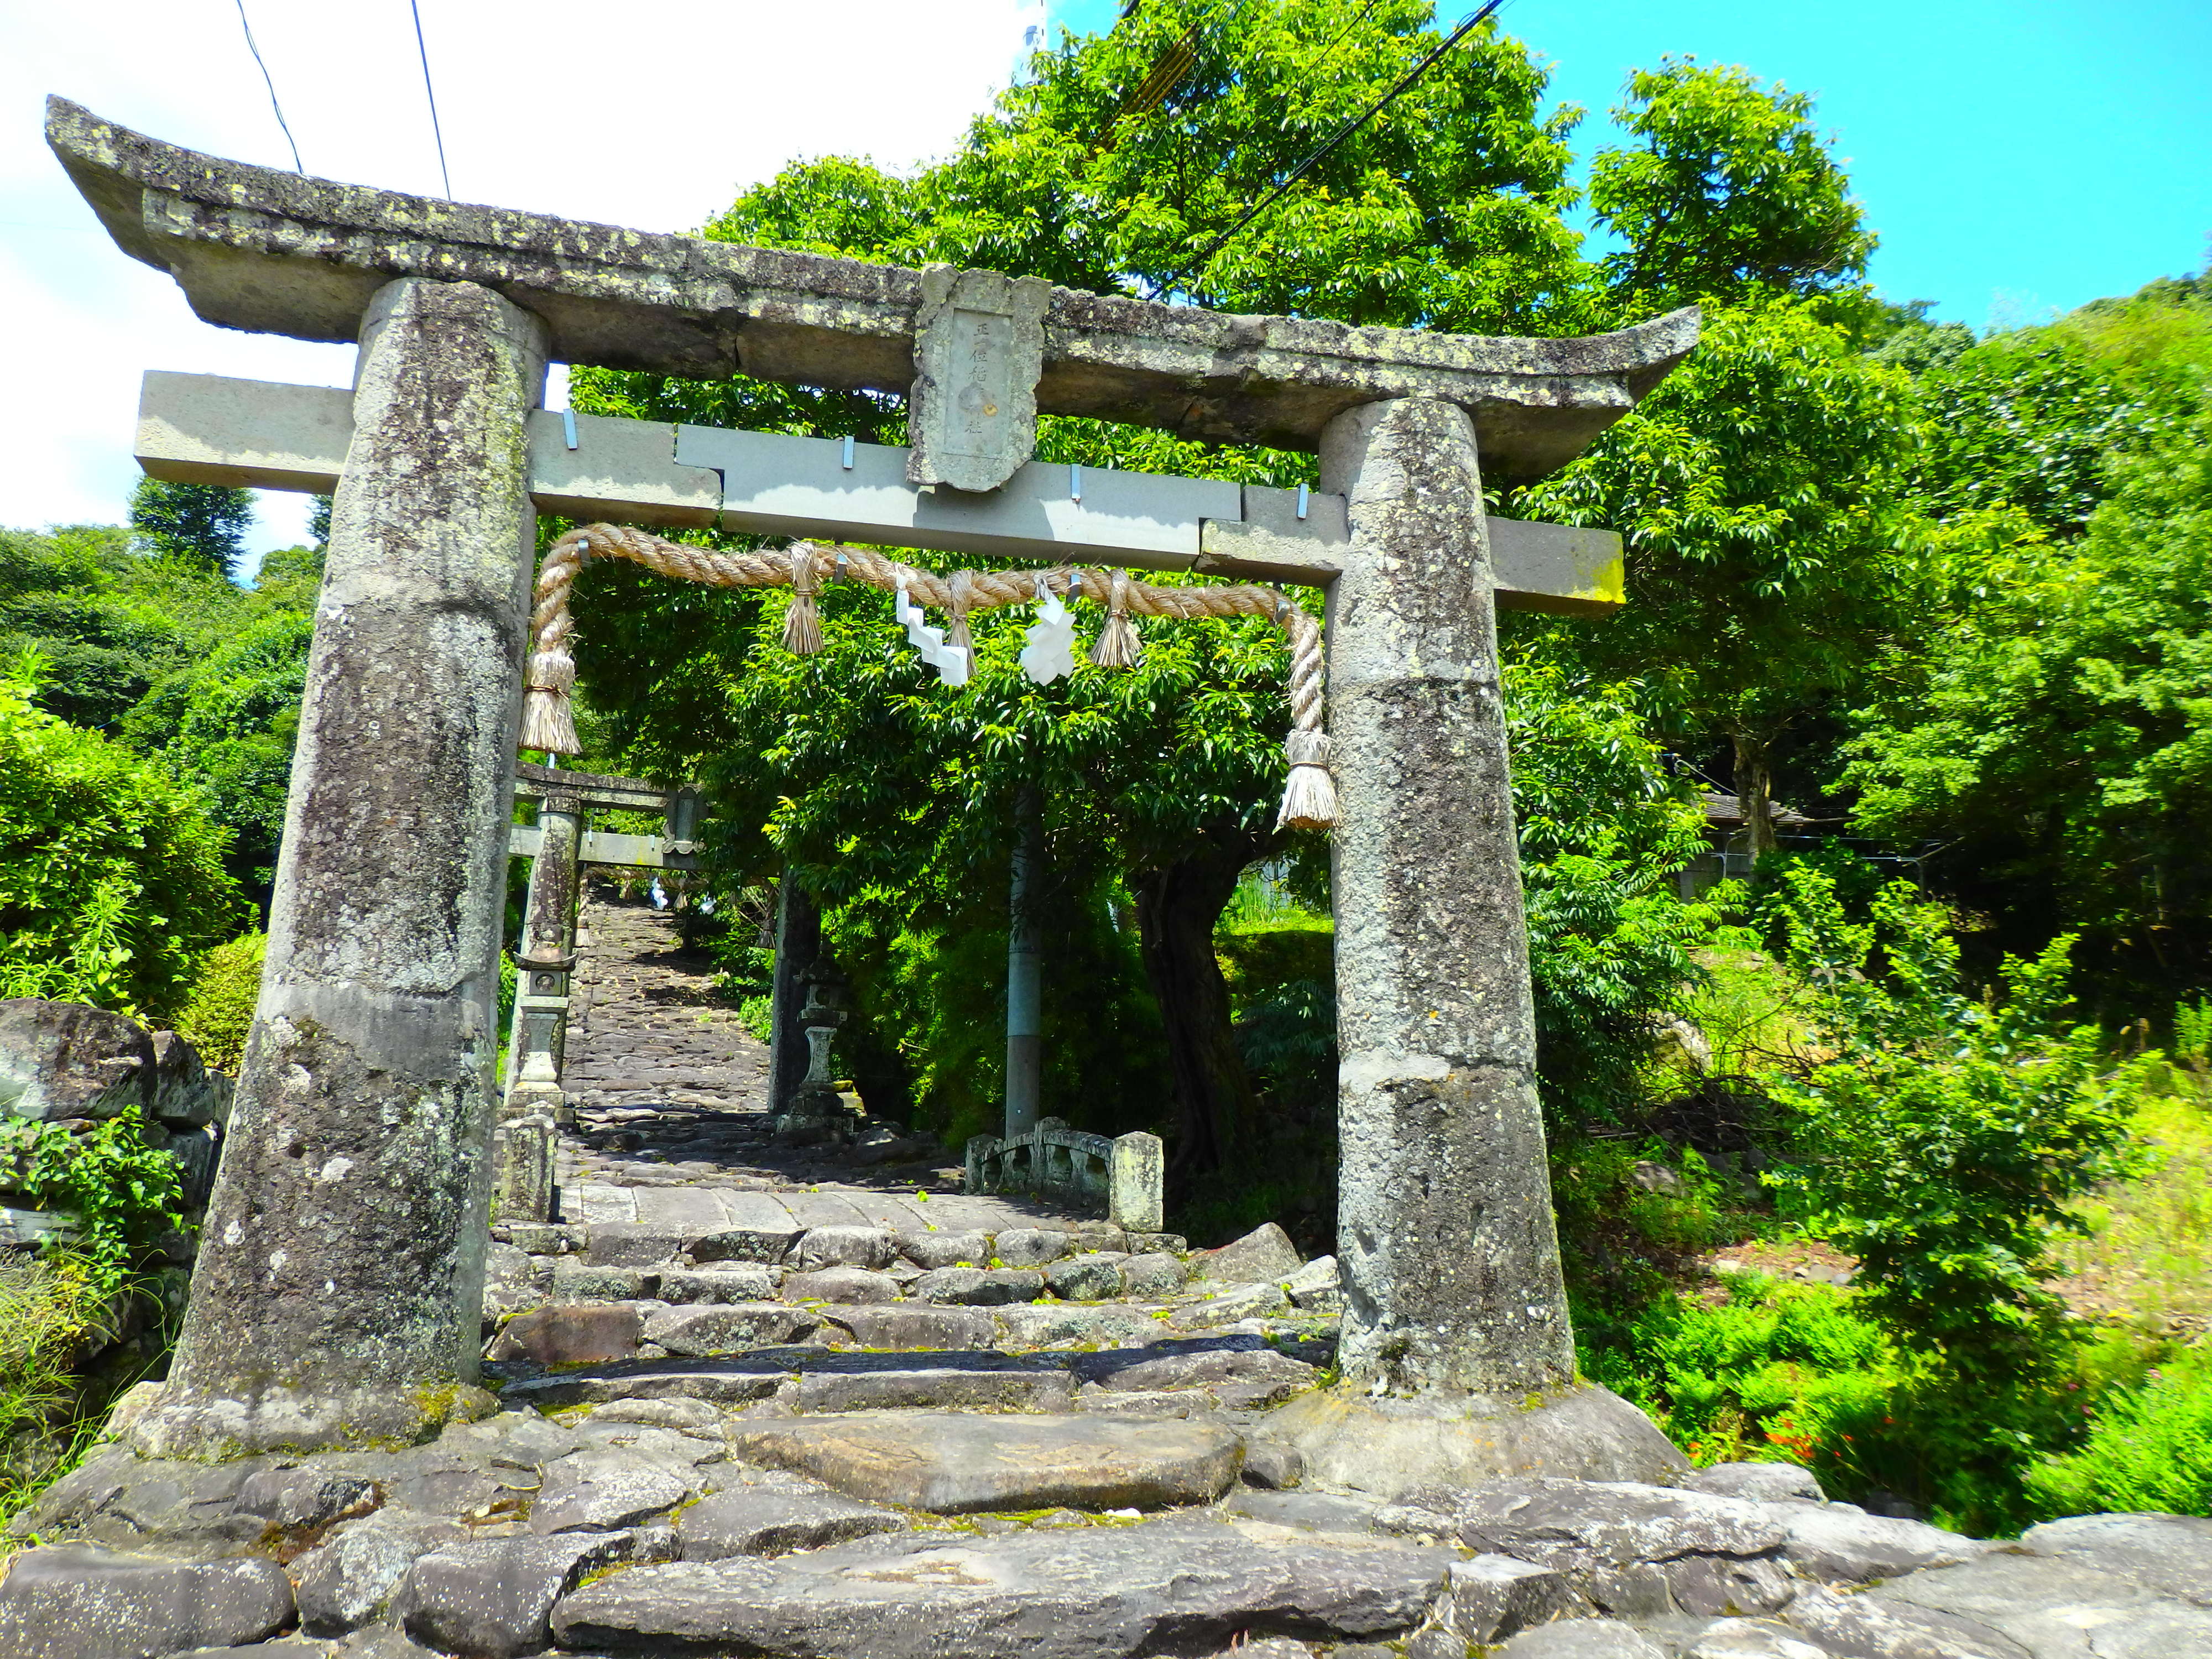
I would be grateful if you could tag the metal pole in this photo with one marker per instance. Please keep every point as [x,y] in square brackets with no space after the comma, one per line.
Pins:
[1025,970]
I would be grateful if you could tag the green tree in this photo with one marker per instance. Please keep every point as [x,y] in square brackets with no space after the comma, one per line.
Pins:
[112,882]
[1761,490]
[201,526]
[1731,195]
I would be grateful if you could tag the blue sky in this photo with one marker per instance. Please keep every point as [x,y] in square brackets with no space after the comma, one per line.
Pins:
[2015,159]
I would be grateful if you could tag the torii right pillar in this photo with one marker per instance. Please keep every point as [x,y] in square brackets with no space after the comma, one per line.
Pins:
[1457,1358]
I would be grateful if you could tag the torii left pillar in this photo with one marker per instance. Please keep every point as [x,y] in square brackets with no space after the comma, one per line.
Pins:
[337,1296]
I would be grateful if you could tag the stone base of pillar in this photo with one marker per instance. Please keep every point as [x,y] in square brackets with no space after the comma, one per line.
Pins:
[1388,1446]
[192,1423]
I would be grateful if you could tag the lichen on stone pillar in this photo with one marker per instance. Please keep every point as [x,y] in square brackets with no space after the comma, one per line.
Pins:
[337,1295]
[1445,1234]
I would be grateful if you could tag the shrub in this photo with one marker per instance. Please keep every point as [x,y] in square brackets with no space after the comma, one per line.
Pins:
[112,882]
[219,1013]
[2149,1449]
[51,1312]
[1947,1138]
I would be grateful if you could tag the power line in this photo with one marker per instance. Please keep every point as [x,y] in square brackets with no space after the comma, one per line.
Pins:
[1198,265]
[271,85]
[423,53]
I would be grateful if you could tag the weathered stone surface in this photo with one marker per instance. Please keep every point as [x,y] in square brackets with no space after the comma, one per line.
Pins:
[304,1498]
[1313,1512]
[978,354]
[764,1242]
[1762,1483]
[968,1249]
[1879,1627]
[845,1247]
[117,1497]
[1092,1277]
[1039,1325]
[720,1329]
[340,1276]
[1030,1247]
[514,1281]
[775,1519]
[1264,1255]
[1752,1638]
[603,1490]
[543,1237]
[1136,1181]
[1386,1446]
[1445,1240]
[909,1326]
[575,1279]
[1719,1584]
[573,1334]
[1154,1273]
[932,1390]
[1191,1366]
[1842,1547]
[81,1602]
[1581,1638]
[1491,1597]
[255,248]
[492,1598]
[746,1281]
[1578,1526]
[1316,1284]
[65,1060]
[1169,1587]
[351,1577]
[978,1287]
[842,1284]
[1271,1464]
[2058,1608]
[731,1382]
[958,1465]
[631,1244]
[684,1414]
[2172,1554]
[1232,1305]
[186,1094]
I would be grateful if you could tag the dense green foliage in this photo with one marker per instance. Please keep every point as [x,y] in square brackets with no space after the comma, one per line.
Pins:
[219,1013]
[111,881]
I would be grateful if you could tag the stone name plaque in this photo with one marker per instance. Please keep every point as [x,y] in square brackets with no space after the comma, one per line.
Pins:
[978,352]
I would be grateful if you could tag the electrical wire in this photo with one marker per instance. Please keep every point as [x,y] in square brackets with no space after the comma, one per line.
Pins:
[424,54]
[271,85]
[1198,265]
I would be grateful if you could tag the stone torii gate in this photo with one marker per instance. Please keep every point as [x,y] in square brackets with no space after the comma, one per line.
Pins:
[336,1296]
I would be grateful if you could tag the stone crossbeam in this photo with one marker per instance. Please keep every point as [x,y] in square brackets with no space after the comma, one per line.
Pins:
[608,846]
[206,429]
[279,253]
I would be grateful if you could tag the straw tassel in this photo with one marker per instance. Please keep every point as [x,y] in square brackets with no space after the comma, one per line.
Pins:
[1310,797]
[1118,645]
[963,595]
[802,623]
[548,722]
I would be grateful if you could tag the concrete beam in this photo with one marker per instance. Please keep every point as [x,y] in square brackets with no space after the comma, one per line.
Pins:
[607,847]
[204,428]
[275,252]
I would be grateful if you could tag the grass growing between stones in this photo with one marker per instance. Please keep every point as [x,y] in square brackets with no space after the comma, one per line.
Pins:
[53,1312]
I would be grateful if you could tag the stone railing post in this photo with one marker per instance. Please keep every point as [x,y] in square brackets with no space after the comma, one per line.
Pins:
[549,938]
[798,943]
[1445,1234]
[1136,1183]
[339,1287]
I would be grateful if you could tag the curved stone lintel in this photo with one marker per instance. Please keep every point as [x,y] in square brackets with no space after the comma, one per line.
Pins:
[276,252]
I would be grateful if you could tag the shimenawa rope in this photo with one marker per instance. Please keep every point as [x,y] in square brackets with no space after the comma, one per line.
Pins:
[1309,799]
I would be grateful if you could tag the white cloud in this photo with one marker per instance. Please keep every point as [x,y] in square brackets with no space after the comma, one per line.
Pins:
[653,114]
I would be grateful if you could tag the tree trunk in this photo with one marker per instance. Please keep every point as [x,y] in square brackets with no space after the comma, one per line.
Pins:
[1754,785]
[1178,907]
